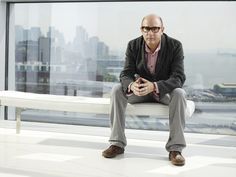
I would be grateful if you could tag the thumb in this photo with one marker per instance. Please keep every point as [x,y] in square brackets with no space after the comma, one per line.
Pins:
[144,80]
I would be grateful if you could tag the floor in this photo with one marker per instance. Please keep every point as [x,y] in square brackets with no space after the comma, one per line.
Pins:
[54,150]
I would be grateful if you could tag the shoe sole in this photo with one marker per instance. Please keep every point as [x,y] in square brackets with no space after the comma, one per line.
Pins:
[178,164]
[112,156]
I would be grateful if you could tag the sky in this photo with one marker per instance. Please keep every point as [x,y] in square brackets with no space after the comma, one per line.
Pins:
[200,26]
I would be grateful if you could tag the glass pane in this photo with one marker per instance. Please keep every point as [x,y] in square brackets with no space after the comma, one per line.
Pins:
[66,49]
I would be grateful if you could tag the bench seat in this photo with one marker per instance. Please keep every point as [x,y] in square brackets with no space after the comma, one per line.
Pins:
[24,100]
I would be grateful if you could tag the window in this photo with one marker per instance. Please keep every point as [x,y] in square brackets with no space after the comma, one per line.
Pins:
[62,48]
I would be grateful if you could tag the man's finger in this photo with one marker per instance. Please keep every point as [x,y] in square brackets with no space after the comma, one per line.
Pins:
[143,89]
[143,85]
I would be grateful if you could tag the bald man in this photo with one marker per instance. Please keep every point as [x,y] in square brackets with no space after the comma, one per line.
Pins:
[153,72]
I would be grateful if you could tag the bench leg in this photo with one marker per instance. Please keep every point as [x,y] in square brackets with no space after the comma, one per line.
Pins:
[18,120]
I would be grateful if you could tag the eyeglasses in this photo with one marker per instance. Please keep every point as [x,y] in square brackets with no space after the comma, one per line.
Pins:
[154,29]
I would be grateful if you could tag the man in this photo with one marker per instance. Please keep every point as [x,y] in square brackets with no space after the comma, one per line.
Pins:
[158,60]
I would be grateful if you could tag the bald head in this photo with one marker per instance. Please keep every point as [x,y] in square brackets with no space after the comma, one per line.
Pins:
[151,18]
[152,29]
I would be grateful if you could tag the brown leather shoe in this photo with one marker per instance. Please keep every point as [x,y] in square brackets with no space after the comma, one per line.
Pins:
[113,151]
[176,158]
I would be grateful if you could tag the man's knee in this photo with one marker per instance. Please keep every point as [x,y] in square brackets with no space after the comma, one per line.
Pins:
[179,92]
[116,90]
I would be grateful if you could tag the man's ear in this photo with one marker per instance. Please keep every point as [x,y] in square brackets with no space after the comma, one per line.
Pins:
[162,29]
[141,30]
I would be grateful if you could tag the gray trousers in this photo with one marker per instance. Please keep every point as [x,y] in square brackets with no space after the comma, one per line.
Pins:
[177,107]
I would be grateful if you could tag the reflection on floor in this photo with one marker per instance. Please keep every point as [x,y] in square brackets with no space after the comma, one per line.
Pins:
[49,150]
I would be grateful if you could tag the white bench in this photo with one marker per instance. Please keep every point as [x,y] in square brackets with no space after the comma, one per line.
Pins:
[23,100]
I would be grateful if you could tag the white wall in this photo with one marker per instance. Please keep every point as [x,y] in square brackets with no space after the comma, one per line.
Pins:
[2,47]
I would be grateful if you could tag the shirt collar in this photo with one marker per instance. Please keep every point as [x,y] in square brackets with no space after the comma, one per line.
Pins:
[157,49]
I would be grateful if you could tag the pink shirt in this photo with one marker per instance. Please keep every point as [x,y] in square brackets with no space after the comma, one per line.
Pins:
[151,63]
[152,58]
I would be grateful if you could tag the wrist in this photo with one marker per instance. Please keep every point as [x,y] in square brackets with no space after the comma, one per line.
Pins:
[156,90]
[130,86]
[154,87]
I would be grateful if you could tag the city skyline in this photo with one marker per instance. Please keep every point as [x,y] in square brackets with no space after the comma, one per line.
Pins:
[83,44]
[117,23]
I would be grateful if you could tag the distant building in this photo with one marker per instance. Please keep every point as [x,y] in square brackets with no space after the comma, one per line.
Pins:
[44,47]
[226,89]
[49,65]
[19,34]
[81,41]
[27,51]
[35,33]
[102,50]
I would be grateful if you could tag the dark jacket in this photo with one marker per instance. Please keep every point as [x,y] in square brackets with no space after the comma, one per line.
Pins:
[169,71]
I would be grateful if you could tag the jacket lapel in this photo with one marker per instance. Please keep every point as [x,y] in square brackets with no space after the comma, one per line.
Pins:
[160,58]
[144,59]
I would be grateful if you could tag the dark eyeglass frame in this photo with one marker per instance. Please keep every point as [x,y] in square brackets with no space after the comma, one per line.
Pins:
[154,29]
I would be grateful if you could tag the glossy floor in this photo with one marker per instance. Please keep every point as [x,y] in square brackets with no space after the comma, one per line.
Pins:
[50,150]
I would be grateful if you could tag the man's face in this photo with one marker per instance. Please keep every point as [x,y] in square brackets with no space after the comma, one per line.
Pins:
[152,31]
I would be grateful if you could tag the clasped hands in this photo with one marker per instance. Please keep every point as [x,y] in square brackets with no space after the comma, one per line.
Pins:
[142,87]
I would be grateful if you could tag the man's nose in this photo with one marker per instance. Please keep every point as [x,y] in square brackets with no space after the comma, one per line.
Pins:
[150,32]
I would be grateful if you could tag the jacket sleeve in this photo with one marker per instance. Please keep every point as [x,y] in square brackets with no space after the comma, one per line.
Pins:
[177,76]
[127,74]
